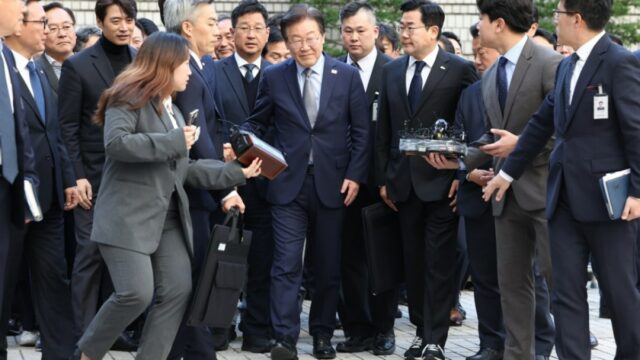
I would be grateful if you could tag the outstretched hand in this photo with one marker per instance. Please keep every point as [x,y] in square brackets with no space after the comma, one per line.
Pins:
[254,169]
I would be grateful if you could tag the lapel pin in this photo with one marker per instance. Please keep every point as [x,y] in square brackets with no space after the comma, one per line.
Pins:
[443,68]
[334,71]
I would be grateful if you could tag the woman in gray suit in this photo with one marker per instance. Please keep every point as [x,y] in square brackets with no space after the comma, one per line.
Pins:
[141,222]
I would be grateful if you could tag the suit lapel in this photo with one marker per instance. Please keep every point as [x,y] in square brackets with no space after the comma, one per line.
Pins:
[48,70]
[235,80]
[328,81]
[101,64]
[28,98]
[436,74]
[402,84]
[490,97]
[374,80]
[158,108]
[588,71]
[294,89]
[524,62]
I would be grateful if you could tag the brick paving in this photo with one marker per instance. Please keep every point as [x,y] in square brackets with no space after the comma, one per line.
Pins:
[462,342]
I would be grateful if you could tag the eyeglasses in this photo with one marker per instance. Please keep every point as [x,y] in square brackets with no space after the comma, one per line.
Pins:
[299,43]
[409,29]
[43,22]
[556,13]
[247,29]
[67,28]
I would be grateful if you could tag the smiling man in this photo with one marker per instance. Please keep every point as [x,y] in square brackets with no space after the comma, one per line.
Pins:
[317,108]
[61,39]
[83,79]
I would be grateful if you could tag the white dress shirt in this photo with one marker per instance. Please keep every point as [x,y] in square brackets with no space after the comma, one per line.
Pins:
[23,70]
[365,66]
[583,54]
[430,59]
[513,55]
[242,62]
[168,106]
[57,66]
[197,59]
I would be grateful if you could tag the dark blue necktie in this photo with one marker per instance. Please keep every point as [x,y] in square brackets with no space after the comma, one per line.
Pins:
[36,86]
[249,74]
[7,129]
[502,84]
[415,89]
[567,79]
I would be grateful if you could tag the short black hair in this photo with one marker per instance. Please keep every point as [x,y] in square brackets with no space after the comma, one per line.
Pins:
[128,6]
[535,15]
[473,30]
[83,35]
[448,46]
[388,32]
[298,13]
[596,13]
[353,7]
[275,36]
[147,26]
[547,35]
[248,7]
[432,13]
[517,14]
[452,36]
[274,21]
[57,5]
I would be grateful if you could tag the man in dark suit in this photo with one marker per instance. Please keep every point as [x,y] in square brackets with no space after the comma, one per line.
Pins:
[61,39]
[589,142]
[236,88]
[523,75]
[317,107]
[367,319]
[16,166]
[417,90]
[83,79]
[44,241]
[196,21]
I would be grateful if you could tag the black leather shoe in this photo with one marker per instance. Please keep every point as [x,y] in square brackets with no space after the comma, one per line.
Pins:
[14,328]
[355,344]
[322,348]
[284,350]
[256,344]
[220,338]
[542,357]
[415,350]
[384,344]
[593,340]
[398,313]
[125,343]
[486,353]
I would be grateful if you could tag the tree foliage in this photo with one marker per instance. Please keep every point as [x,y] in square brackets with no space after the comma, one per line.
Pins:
[628,29]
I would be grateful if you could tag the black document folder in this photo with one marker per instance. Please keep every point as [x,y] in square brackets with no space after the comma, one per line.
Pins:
[383,247]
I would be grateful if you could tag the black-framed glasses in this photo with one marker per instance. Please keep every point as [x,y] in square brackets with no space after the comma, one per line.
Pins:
[43,22]
[557,13]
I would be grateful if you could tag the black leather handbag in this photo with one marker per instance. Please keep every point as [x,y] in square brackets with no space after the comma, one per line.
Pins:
[223,274]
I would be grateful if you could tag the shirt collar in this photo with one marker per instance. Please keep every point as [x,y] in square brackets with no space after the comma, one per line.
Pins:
[241,62]
[51,60]
[317,68]
[585,50]
[430,59]
[196,58]
[514,53]
[367,62]
[21,61]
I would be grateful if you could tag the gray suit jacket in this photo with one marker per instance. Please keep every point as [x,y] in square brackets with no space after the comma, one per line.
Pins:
[49,72]
[146,162]
[532,79]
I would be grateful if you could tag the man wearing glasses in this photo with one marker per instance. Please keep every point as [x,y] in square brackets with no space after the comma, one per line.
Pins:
[318,109]
[44,241]
[417,90]
[61,39]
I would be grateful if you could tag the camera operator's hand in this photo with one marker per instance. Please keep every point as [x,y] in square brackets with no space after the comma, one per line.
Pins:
[253,169]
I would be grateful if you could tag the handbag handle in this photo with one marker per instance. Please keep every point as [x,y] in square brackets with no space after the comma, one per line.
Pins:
[236,228]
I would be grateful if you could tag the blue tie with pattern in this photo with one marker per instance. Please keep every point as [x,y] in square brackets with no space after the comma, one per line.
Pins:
[503,85]
[415,89]
[36,86]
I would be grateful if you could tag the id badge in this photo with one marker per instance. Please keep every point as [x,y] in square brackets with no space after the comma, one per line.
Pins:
[600,105]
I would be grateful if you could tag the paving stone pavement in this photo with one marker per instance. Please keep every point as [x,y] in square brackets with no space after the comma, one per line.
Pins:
[462,342]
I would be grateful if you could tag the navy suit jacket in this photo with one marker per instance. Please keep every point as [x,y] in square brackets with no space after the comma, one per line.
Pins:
[26,164]
[586,149]
[470,116]
[449,75]
[198,96]
[339,138]
[52,163]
